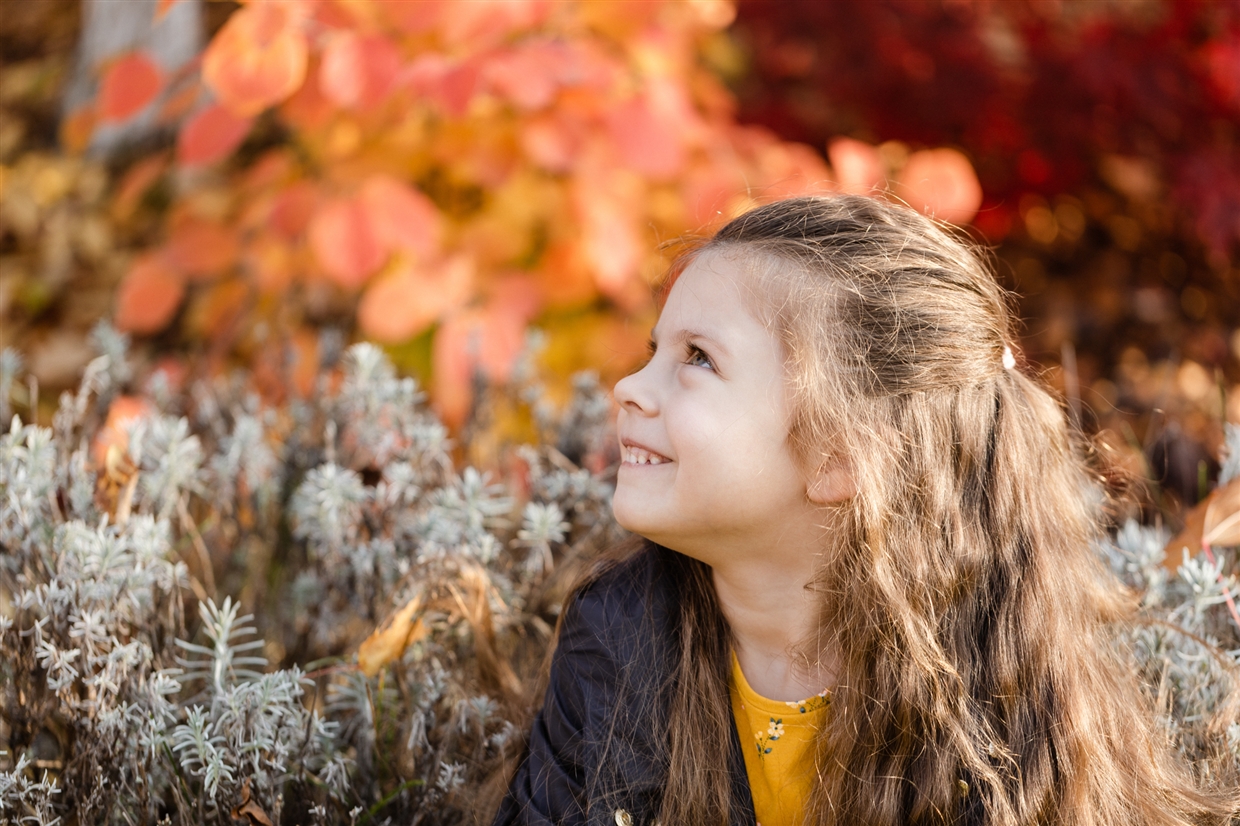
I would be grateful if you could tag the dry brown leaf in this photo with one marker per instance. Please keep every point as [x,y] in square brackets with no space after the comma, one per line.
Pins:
[389,640]
[115,486]
[248,810]
[1221,523]
[1189,536]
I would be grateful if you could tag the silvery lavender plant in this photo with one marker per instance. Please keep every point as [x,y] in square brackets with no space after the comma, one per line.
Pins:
[180,631]
[154,613]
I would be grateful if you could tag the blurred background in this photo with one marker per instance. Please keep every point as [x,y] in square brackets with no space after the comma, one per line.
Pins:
[258,185]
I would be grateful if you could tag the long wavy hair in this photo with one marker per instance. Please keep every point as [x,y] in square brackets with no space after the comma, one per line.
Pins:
[970,618]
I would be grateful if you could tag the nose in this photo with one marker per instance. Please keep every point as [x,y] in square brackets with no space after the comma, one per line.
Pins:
[634,395]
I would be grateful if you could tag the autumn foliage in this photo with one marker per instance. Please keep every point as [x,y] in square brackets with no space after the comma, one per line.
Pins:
[437,176]
[1045,97]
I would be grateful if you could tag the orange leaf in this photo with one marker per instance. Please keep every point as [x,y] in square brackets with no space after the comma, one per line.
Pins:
[211,135]
[304,362]
[201,249]
[551,142]
[518,294]
[402,217]
[1221,527]
[123,411]
[402,304]
[248,809]
[77,127]
[135,184]
[308,111]
[357,70]
[148,296]
[486,341]
[345,242]
[128,85]
[259,57]
[942,183]
[270,264]
[564,278]
[178,104]
[413,18]
[162,7]
[213,313]
[389,641]
[1189,537]
[856,164]
[609,237]
[707,193]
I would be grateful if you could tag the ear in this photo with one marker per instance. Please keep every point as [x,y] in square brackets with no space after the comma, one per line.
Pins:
[831,485]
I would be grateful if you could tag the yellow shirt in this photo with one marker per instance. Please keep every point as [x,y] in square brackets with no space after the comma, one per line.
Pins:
[777,738]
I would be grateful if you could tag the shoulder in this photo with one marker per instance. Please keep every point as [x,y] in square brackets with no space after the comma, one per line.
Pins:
[626,603]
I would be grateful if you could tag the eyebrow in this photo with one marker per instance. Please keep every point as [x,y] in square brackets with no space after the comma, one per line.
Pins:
[682,336]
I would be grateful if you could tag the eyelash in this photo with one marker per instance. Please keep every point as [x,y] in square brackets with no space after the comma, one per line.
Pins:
[696,353]
[693,354]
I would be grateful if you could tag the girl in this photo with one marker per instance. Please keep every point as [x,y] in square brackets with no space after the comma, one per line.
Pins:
[863,588]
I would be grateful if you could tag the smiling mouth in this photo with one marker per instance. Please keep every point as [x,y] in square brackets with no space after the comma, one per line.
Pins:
[640,456]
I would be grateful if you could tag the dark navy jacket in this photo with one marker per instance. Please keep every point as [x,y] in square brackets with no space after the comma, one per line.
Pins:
[612,667]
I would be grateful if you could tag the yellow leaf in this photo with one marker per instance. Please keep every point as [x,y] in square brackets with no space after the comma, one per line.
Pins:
[389,640]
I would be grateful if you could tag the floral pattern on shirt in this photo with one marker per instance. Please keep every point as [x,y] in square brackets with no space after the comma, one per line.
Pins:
[814,703]
[773,732]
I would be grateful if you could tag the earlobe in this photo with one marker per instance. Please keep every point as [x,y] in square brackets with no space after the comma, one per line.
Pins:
[831,485]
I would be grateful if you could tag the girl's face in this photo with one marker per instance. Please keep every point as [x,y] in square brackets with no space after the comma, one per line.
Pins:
[705,462]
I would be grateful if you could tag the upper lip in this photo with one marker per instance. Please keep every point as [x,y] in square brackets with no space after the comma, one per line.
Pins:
[633,443]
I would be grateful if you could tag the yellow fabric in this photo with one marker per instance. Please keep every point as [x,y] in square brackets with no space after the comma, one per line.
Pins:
[777,738]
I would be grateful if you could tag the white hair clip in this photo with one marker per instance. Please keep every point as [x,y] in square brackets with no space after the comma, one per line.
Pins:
[1009,360]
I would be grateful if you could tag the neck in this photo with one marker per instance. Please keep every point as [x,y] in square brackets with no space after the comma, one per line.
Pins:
[773,615]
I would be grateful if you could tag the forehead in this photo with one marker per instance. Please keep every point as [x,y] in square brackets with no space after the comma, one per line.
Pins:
[714,293]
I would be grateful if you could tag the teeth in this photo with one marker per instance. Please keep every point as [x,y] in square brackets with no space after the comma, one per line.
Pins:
[637,456]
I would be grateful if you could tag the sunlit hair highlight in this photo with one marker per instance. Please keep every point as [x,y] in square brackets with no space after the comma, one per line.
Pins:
[970,618]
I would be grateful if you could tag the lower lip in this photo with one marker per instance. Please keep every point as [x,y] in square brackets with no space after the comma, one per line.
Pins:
[643,465]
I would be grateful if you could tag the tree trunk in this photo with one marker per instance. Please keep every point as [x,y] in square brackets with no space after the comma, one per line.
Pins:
[113,27]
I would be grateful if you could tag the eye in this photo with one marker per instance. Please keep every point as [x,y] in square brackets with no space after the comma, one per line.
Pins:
[698,358]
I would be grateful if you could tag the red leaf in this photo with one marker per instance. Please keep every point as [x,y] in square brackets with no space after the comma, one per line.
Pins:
[201,249]
[358,70]
[292,209]
[128,85]
[942,183]
[402,217]
[345,242]
[450,84]
[148,296]
[259,57]
[649,131]
[211,135]
[531,75]
[481,23]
